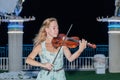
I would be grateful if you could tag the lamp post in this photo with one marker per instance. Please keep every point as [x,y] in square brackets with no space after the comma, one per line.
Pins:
[10,14]
[15,31]
[15,41]
[114,42]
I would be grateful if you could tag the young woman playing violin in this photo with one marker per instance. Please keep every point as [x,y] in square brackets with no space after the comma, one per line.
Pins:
[44,47]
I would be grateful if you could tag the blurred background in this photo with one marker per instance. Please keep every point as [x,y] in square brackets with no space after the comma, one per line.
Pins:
[82,14]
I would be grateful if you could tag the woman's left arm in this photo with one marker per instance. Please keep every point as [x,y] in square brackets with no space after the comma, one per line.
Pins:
[75,55]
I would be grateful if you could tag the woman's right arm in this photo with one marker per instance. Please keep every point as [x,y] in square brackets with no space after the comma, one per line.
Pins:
[31,57]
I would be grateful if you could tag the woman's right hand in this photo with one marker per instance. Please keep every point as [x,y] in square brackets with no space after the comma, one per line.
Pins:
[48,66]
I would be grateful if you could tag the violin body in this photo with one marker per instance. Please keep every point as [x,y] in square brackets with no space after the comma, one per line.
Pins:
[70,42]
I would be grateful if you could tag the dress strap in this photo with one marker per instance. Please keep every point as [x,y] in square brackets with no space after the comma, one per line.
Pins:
[43,45]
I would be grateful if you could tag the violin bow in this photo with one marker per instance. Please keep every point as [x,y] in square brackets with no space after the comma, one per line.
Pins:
[61,46]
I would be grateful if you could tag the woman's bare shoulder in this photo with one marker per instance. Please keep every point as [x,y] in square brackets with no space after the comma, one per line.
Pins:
[37,49]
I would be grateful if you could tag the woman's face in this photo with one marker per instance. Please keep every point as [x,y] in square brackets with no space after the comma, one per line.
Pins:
[53,29]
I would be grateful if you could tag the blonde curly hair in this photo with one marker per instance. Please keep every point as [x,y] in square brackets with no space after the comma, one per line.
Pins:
[41,36]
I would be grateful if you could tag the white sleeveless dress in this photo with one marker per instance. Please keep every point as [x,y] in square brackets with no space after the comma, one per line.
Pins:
[57,73]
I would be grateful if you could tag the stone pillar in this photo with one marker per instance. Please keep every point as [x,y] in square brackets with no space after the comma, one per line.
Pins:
[114,47]
[15,44]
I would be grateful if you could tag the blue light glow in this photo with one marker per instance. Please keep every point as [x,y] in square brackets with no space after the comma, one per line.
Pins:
[15,26]
[114,26]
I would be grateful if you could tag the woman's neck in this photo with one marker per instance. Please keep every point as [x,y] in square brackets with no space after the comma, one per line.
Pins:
[48,39]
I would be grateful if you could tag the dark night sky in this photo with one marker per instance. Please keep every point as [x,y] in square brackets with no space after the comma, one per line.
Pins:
[81,13]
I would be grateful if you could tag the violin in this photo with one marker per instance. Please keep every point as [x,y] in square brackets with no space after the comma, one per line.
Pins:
[70,42]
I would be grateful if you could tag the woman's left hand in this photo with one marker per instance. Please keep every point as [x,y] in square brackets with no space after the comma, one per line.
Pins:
[82,44]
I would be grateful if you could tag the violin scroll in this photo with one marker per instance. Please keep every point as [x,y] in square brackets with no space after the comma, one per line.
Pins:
[91,45]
